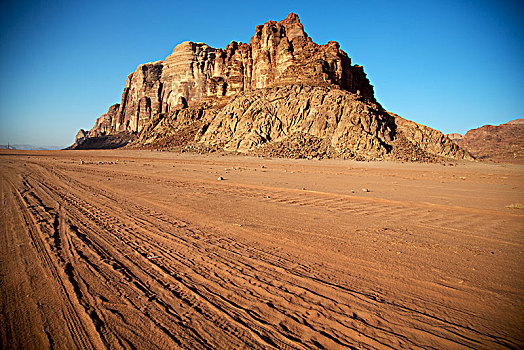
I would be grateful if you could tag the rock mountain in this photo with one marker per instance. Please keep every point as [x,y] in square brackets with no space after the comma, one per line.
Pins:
[504,142]
[281,95]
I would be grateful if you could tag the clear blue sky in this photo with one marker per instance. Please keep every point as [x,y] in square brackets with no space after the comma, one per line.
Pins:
[452,65]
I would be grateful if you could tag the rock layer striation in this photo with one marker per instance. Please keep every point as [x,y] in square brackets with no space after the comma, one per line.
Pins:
[299,121]
[278,53]
[280,94]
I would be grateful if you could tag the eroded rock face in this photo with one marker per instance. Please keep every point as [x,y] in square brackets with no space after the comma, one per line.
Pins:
[300,121]
[105,124]
[80,137]
[253,118]
[280,95]
[279,53]
[141,98]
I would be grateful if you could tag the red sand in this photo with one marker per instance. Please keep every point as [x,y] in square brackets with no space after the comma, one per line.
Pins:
[121,249]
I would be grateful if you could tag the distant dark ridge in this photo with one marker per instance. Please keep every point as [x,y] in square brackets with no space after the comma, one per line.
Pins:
[104,142]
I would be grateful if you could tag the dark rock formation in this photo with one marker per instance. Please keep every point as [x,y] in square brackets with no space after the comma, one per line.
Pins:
[111,141]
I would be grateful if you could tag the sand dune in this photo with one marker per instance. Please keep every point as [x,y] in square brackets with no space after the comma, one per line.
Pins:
[124,249]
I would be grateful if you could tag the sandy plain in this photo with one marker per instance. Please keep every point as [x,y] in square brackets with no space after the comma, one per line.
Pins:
[149,250]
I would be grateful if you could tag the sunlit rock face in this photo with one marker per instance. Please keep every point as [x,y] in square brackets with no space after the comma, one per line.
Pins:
[280,95]
[279,53]
[141,98]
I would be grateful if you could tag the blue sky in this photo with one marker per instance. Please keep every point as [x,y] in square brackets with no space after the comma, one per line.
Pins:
[451,65]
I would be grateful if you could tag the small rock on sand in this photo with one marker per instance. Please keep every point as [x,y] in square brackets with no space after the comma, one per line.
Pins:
[365,190]
[220,178]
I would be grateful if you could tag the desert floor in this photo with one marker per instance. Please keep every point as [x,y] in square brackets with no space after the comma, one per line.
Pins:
[138,249]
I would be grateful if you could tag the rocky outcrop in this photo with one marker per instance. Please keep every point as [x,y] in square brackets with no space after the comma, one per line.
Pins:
[280,94]
[502,142]
[80,136]
[253,118]
[424,140]
[105,123]
[299,121]
[111,141]
[140,99]
[279,53]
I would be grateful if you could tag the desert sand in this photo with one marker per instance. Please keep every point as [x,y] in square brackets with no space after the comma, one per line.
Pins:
[150,250]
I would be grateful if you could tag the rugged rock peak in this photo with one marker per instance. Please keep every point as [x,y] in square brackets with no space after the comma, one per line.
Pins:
[289,28]
[279,53]
[284,54]
[280,92]
[293,26]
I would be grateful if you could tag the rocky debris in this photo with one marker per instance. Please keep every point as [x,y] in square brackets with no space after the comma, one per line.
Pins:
[298,121]
[416,142]
[303,119]
[502,142]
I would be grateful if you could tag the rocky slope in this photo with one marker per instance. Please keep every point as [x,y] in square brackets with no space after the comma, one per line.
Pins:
[502,142]
[278,53]
[455,137]
[301,122]
[281,95]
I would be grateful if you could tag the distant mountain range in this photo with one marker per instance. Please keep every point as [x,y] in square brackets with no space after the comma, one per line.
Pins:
[30,147]
[489,142]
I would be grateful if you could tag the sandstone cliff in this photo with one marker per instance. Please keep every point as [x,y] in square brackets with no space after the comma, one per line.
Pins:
[278,53]
[280,94]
